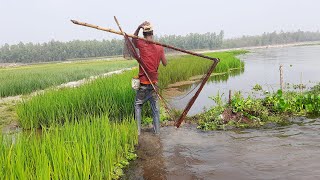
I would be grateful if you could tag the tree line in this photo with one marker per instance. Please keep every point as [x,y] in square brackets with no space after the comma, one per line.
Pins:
[61,51]
[271,39]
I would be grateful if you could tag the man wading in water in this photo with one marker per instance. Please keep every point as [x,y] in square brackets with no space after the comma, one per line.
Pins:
[151,55]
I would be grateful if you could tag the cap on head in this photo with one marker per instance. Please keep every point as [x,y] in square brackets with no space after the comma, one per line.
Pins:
[147,30]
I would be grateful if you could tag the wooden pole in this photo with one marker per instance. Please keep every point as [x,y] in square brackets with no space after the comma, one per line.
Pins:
[229,97]
[137,37]
[281,77]
[193,99]
[300,85]
[142,65]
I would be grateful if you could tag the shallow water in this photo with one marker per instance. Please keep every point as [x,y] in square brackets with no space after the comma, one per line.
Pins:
[300,64]
[291,152]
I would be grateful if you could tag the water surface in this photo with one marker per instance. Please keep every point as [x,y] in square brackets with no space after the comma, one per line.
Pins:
[301,64]
[290,152]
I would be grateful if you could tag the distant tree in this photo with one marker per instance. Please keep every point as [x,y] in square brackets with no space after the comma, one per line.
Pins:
[61,51]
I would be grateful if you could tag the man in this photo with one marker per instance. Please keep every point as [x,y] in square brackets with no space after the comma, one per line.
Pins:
[151,55]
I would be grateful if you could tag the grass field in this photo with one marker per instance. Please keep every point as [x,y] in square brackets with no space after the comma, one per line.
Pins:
[92,148]
[184,67]
[98,133]
[112,95]
[26,79]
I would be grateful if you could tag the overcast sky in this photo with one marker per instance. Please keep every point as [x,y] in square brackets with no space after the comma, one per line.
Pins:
[43,20]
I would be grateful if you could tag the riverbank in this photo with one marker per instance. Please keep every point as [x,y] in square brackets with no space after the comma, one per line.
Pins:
[64,116]
[273,109]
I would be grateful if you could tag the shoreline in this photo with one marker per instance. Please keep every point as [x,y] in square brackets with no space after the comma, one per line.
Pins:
[119,57]
[306,43]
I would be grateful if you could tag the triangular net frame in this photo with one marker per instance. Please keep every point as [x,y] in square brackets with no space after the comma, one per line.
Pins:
[133,53]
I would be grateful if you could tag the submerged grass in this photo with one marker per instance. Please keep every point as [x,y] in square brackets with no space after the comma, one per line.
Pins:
[92,148]
[112,95]
[26,79]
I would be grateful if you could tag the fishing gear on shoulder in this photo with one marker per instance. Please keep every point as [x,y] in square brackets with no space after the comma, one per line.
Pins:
[134,54]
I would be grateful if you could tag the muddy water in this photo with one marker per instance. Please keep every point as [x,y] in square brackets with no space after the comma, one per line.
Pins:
[300,65]
[291,152]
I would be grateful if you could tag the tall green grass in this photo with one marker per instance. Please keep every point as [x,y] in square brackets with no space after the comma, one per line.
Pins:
[183,67]
[26,79]
[112,95]
[87,149]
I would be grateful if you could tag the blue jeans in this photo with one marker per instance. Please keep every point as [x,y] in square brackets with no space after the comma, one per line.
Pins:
[144,94]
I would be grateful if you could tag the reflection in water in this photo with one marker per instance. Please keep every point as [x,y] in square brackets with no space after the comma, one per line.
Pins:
[215,78]
[180,101]
[225,77]
[300,65]
[291,152]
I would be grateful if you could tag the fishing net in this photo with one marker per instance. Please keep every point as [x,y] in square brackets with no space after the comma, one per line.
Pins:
[194,71]
[179,82]
[130,52]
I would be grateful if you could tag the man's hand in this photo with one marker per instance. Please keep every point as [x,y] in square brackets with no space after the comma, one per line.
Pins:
[144,24]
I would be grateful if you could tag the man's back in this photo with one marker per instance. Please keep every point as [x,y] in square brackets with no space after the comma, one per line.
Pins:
[151,55]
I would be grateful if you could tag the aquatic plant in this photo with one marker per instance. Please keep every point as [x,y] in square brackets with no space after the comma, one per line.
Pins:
[255,112]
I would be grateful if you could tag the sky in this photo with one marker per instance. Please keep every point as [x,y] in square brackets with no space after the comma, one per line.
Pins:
[44,20]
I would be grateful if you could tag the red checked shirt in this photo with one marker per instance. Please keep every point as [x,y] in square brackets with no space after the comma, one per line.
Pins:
[150,54]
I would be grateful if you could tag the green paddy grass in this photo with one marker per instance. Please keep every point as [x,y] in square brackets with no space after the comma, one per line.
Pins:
[26,79]
[92,148]
[112,95]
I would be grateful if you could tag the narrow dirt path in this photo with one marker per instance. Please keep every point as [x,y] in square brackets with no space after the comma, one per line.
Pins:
[8,116]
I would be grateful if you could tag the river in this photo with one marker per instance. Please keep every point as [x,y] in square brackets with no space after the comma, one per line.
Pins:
[300,65]
[290,152]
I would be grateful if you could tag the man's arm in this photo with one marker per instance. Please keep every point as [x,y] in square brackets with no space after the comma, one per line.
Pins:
[163,58]
[136,33]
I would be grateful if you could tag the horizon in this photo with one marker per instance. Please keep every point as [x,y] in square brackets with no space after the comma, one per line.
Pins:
[119,37]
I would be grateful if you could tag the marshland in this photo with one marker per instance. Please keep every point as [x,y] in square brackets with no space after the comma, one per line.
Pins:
[69,114]
[67,105]
[99,114]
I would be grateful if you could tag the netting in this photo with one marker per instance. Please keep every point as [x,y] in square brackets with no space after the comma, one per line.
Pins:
[182,69]
[178,82]
[128,51]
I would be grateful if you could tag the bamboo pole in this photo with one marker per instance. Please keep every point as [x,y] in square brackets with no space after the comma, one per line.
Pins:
[193,99]
[230,97]
[281,77]
[137,37]
[142,65]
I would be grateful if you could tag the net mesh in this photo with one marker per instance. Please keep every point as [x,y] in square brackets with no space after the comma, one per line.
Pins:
[175,91]
[128,51]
